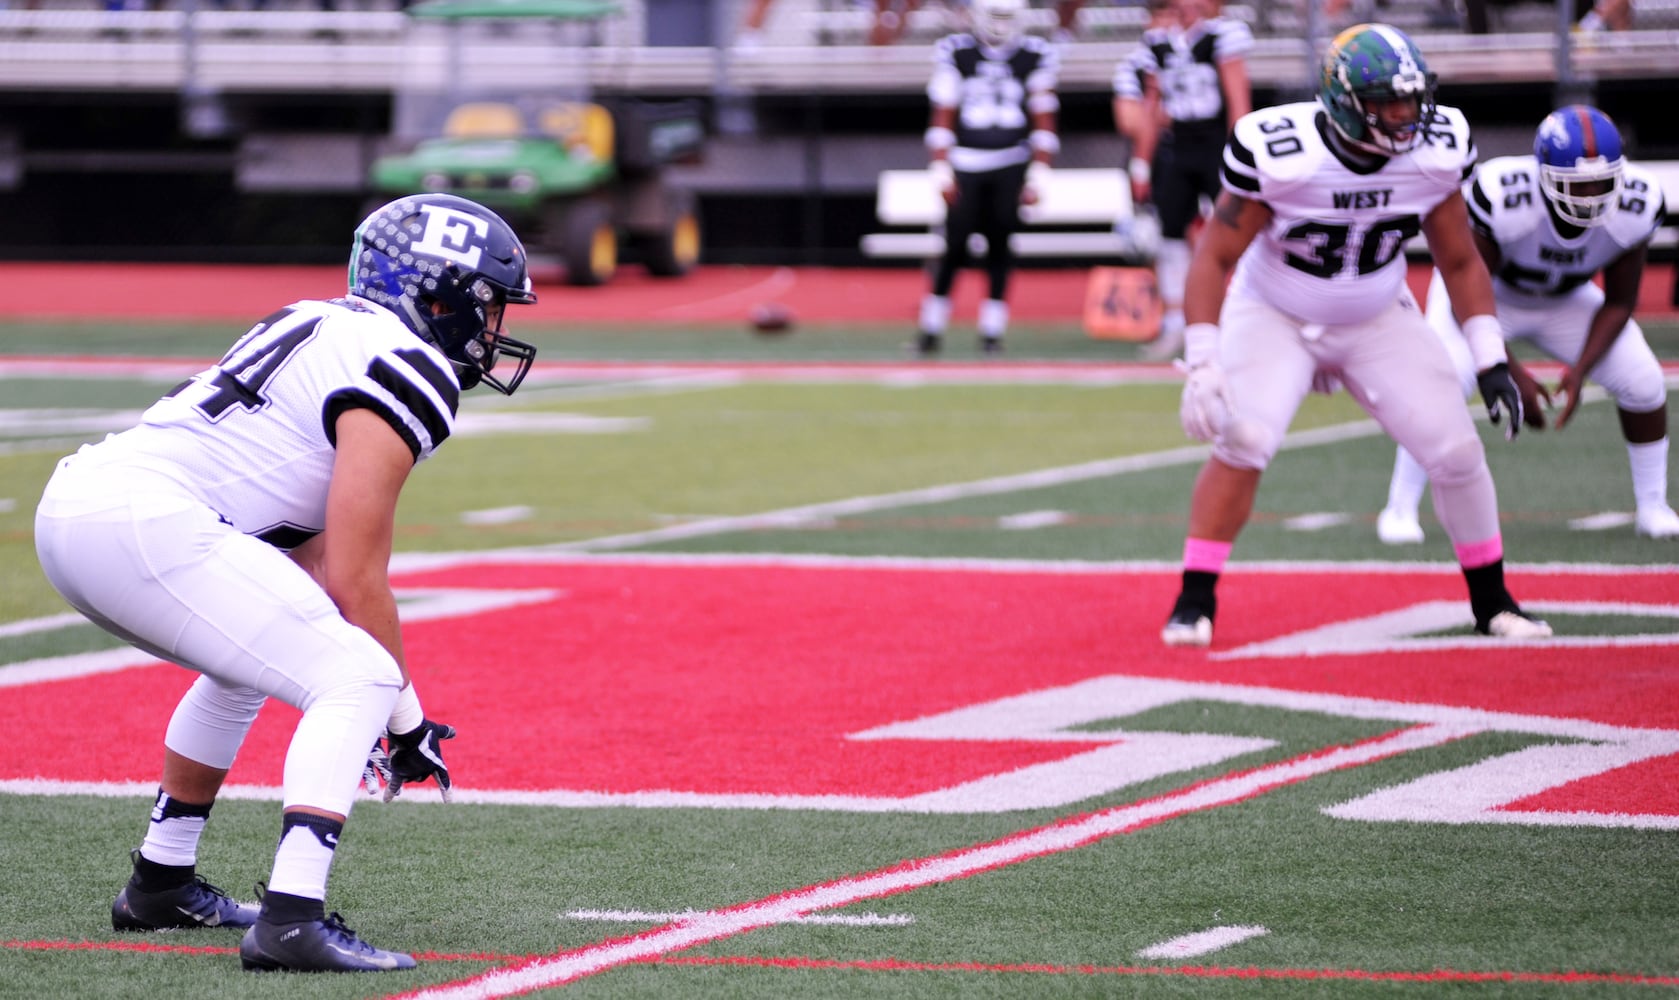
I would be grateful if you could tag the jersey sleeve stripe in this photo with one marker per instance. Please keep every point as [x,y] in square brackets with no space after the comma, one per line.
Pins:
[1480,208]
[415,399]
[1240,170]
[359,399]
[425,365]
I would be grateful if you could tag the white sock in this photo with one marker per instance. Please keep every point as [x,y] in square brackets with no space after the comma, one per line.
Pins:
[1649,473]
[1171,270]
[935,313]
[304,858]
[993,317]
[172,836]
[1409,481]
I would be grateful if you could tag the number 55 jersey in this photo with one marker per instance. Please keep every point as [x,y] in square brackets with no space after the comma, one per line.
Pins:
[1334,251]
[1537,262]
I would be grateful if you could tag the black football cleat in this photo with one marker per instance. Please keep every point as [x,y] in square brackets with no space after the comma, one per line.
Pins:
[195,904]
[324,945]
[991,345]
[927,344]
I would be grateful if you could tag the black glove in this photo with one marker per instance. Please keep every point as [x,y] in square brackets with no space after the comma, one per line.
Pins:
[1499,392]
[418,755]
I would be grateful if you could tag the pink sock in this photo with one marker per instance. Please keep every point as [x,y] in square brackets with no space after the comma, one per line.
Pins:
[1471,555]
[1205,555]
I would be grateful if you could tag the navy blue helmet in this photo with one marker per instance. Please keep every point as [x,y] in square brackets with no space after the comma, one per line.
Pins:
[448,267]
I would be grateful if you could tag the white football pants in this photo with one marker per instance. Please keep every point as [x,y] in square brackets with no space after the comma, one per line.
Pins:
[142,559]
[1392,364]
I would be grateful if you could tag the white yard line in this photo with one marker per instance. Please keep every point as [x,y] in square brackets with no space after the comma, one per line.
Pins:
[1054,838]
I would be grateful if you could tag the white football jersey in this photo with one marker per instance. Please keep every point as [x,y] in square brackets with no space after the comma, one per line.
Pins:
[1334,251]
[1506,206]
[253,436]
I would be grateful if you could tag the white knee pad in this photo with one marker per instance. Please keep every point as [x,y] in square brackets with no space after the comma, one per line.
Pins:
[1640,390]
[211,721]
[1245,443]
[1459,462]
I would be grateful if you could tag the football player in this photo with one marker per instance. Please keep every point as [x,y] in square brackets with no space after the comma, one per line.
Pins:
[1319,198]
[1138,121]
[990,141]
[243,530]
[1546,224]
[1198,78]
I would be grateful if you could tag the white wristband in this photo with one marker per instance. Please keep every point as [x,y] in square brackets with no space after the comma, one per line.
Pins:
[406,715]
[1139,171]
[1044,141]
[1200,344]
[1486,341]
[939,137]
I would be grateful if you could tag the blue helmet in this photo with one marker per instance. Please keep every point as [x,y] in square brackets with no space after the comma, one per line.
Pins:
[426,250]
[1370,63]
[1580,161]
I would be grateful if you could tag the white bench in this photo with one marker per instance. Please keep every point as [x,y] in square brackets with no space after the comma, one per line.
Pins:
[1091,198]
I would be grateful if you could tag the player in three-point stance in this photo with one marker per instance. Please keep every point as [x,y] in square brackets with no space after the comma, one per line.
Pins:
[243,529]
[1545,225]
[1318,201]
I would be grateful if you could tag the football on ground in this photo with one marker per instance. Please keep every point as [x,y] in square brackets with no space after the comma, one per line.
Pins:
[771,318]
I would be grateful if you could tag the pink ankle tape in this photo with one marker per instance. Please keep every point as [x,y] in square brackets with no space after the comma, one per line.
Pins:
[1472,555]
[1204,555]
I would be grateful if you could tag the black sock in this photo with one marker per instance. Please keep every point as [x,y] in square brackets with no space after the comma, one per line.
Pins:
[1197,592]
[1487,594]
[149,876]
[284,908]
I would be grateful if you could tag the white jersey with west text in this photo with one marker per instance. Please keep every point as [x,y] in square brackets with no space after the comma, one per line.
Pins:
[1334,250]
[1536,261]
[253,436]
[991,90]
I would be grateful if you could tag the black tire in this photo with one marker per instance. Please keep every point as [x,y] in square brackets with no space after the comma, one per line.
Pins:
[674,249]
[588,242]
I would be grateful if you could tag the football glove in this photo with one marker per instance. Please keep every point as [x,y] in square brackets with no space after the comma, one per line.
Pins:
[377,769]
[1503,399]
[418,755]
[1206,402]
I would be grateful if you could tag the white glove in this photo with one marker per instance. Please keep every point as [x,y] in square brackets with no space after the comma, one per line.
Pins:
[1206,402]
[1037,182]
[943,175]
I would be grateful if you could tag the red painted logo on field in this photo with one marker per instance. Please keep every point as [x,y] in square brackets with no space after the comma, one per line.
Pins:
[755,680]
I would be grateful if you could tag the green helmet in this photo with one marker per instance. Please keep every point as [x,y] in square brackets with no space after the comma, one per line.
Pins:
[1375,62]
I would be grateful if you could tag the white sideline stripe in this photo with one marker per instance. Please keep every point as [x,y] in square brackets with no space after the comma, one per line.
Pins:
[839,919]
[951,491]
[46,624]
[1315,522]
[419,604]
[1202,942]
[918,873]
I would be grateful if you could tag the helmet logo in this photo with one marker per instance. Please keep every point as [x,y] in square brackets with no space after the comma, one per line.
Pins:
[450,234]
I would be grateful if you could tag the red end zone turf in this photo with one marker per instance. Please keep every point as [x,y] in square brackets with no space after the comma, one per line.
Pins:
[749,679]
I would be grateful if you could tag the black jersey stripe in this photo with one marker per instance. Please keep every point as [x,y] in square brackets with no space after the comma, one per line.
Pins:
[345,400]
[418,402]
[425,364]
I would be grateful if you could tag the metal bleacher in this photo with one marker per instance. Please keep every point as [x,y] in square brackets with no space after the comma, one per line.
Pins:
[807,46]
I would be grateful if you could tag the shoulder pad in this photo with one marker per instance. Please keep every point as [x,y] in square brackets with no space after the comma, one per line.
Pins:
[1639,210]
[1274,149]
[1449,148]
[1504,199]
[1234,38]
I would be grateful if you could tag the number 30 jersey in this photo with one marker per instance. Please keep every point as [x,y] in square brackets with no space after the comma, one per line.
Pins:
[253,436]
[1334,251]
[1536,262]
